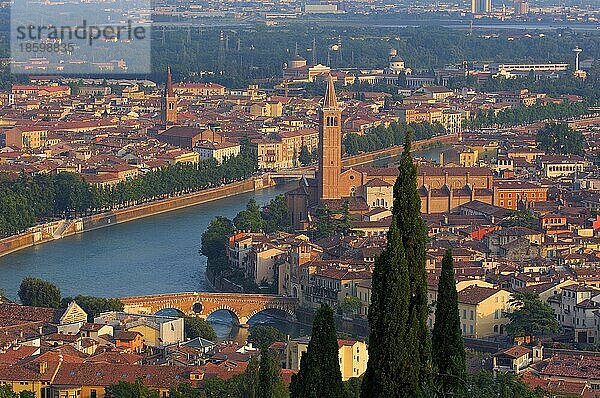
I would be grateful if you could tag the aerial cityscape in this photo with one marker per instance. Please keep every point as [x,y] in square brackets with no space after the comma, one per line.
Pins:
[300,199]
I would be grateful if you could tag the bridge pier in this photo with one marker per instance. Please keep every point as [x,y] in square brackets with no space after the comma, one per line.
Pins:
[243,322]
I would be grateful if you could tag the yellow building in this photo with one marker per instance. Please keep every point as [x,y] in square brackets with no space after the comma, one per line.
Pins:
[452,121]
[271,154]
[462,155]
[363,292]
[190,90]
[34,377]
[353,356]
[156,330]
[175,156]
[267,108]
[26,137]
[294,140]
[432,287]
[483,310]
[220,151]
[262,262]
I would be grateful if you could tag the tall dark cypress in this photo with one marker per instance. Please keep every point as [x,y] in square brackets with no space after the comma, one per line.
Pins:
[270,383]
[319,374]
[447,342]
[399,343]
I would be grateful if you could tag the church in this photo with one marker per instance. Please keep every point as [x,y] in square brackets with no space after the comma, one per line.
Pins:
[362,188]
[368,188]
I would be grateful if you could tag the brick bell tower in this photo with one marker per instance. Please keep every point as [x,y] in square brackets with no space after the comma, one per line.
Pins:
[330,145]
[169,102]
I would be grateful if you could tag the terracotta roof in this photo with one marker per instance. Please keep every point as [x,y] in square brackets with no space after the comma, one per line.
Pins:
[343,274]
[475,294]
[115,357]
[105,374]
[514,352]
[555,386]
[14,355]
[91,327]
[577,366]
[16,312]
[126,335]
[377,182]
[342,342]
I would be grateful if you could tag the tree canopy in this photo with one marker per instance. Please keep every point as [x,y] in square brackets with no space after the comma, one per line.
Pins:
[197,327]
[265,335]
[531,317]
[215,238]
[136,389]
[250,219]
[270,383]
[559,138]
[39,293]
[384,137]
[27,199]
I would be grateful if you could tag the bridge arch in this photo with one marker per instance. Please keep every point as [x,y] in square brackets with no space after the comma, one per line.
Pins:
[290,315]
[238,320]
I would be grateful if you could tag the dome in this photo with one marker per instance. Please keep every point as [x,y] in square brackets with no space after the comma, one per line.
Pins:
[397,58]
[297,62]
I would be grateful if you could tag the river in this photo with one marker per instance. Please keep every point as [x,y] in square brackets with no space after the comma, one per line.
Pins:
[157,254]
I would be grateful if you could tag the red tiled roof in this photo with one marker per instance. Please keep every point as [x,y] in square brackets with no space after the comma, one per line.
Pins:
[105,374]
[475,294]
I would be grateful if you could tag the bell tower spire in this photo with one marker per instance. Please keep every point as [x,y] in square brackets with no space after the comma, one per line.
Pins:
[169,101]
[330,145]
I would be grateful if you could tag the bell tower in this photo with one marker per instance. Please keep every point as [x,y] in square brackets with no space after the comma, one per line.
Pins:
[330,145]
[169,102]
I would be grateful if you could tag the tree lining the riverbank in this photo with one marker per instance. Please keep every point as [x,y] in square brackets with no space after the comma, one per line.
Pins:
[27,200]
[527,114]
[381,137]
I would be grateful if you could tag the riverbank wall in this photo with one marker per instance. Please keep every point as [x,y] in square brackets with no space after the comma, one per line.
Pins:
[55,230]
[370,157]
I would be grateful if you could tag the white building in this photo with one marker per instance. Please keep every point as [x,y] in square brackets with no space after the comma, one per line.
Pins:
[561,165]
[157,331]
[217,150]
[575,308]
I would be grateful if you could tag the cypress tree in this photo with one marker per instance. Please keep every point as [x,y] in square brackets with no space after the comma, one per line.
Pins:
[399,343]
[447,342]
[319,374]
[270,383]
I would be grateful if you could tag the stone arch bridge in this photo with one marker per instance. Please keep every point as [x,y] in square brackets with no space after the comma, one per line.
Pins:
[202,304]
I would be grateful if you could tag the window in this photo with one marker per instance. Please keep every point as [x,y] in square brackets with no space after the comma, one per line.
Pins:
[93,394]
[472,314]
